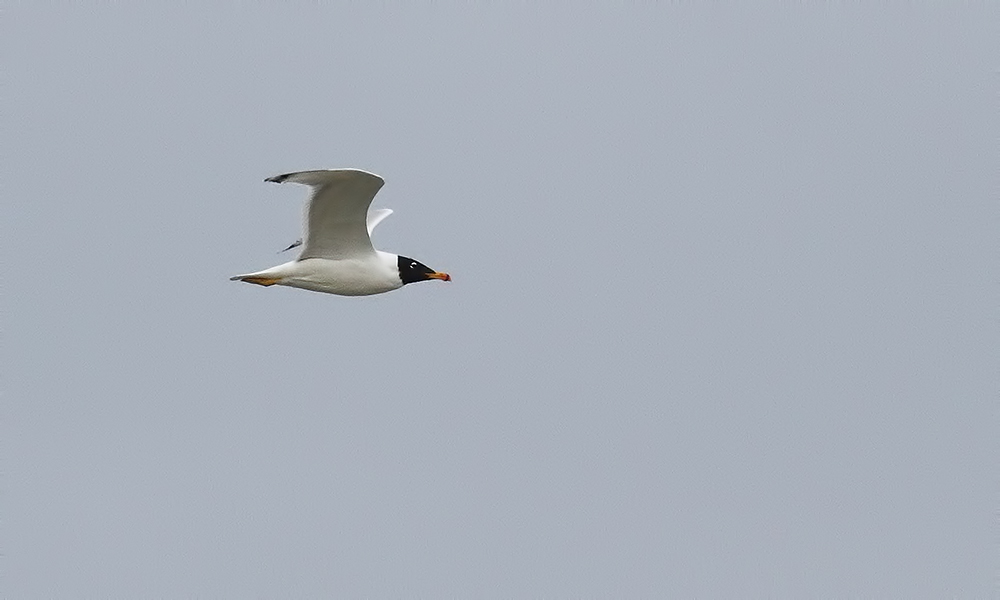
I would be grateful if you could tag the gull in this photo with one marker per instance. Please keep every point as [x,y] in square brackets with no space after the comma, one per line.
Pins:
[337,254]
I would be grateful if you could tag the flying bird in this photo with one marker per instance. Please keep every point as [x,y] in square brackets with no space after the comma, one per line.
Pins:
[337,254]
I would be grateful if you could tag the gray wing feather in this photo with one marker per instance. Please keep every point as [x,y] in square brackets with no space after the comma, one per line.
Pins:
[335,216]
[374,218]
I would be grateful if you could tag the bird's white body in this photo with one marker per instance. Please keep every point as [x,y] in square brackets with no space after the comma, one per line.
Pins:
[337,254]
[357,276]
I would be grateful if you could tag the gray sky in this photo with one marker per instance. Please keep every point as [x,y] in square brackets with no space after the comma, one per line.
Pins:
[723,318]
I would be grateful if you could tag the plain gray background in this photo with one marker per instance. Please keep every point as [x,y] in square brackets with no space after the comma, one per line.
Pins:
[723,318]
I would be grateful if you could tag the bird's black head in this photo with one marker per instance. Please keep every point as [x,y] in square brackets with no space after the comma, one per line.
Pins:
[412,271]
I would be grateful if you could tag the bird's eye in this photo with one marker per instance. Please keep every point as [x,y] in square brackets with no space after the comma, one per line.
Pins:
[413,264]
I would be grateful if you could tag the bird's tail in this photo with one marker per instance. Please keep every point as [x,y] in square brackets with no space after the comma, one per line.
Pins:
[256,278]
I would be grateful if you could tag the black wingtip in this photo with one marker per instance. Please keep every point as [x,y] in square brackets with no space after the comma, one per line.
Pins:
[295,244]
[278,178]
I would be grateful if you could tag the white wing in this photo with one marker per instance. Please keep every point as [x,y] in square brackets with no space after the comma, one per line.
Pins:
[335,216]
[374,218]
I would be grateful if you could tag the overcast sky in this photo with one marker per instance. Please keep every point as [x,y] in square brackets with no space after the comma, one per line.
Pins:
[722,324]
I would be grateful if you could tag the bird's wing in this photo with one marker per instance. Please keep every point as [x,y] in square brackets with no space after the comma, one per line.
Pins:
[374,218]
[335,216]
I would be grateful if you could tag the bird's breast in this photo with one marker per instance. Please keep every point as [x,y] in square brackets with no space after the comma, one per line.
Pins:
[346,277]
